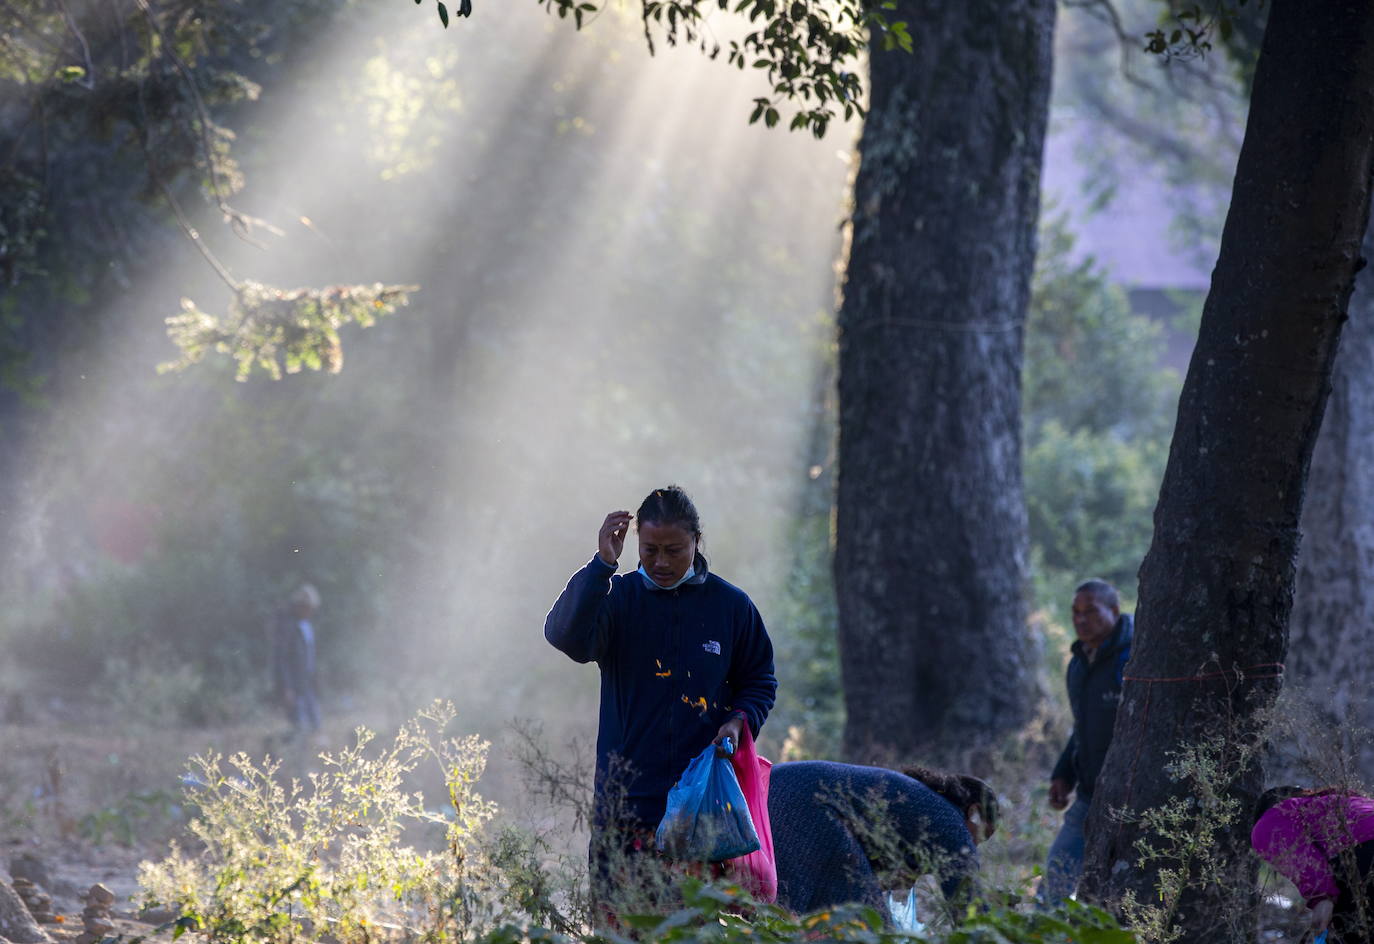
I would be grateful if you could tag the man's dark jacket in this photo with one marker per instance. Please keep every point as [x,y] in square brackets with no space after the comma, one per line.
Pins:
[1094,694]
[675,665]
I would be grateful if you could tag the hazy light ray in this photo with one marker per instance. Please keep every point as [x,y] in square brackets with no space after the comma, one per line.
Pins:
[541,443]
[655,130]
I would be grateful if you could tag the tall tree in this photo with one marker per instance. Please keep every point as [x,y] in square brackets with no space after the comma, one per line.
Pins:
[1330,661]
[930,559]
[1216,588]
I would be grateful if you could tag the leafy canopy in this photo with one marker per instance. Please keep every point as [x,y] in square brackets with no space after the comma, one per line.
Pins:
[116,129]
[1194,25]
[810,49]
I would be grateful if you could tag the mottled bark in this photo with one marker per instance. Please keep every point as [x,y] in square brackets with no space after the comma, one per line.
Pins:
[1216,588]
[1331,633]
[931,523]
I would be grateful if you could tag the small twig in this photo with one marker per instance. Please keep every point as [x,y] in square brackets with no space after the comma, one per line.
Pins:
[237,220]
[151,161]
[203,114]
[191,232]
[89,82]
[1106,12]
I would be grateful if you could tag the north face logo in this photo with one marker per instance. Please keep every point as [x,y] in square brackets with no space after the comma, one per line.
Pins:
[711,646]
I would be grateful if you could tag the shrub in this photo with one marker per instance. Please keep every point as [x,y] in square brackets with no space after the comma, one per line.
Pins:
[354,855]
[332,852]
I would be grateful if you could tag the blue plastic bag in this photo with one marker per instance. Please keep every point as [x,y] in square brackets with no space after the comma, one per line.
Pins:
[707,819]
[903,912]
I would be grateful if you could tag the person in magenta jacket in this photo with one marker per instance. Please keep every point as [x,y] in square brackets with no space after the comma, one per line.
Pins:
[685,662]
[1323,841]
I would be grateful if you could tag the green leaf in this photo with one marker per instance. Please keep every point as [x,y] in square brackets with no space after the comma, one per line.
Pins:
[642,922]
[443,14]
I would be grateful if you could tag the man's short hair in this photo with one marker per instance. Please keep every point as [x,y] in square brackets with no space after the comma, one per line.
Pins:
[1106,594]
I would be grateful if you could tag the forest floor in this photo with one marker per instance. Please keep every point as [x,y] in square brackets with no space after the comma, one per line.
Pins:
[84,799]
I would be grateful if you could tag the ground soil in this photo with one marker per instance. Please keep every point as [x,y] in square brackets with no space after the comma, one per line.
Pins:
[85,797]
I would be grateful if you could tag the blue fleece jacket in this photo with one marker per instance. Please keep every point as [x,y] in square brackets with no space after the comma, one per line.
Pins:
[675,665]
[843,833]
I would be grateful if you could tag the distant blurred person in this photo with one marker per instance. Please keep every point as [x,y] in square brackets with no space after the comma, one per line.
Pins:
[293,660]
[1322,840]
[1094,680]
[685,662]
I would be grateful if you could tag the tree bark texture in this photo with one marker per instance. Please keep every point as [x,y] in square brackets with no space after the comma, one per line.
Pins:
[930,557]
[1331,633]
[1216,587]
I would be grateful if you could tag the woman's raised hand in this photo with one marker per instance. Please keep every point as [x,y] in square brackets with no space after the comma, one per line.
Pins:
[611,541]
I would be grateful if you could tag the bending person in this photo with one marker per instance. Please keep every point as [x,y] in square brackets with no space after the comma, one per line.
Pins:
[844,833]
[685,661]
[1323,841]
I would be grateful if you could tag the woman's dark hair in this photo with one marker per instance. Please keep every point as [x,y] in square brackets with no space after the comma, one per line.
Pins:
[961,790]
[670,506]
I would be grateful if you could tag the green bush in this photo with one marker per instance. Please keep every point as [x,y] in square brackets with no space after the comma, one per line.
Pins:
[331,853]
[355,855]
[1090,500]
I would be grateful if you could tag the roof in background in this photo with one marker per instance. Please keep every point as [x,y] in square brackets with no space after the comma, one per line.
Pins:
[1130,239]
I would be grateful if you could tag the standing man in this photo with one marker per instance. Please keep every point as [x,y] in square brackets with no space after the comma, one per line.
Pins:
[293,660]
[1094,681]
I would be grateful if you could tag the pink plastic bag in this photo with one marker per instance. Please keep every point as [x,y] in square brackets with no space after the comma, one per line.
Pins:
[758,871]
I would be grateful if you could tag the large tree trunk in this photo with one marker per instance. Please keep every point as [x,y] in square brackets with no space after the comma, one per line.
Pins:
[931,522]
[1216,588]
[1330,656]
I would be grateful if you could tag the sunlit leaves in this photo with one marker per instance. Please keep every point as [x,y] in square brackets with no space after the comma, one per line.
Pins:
[1189,35]
[407,103]
[809,48]
[464,9]
[112,86]
[278,330]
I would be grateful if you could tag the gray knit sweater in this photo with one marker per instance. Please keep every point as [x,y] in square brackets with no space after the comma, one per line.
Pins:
[844,833]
